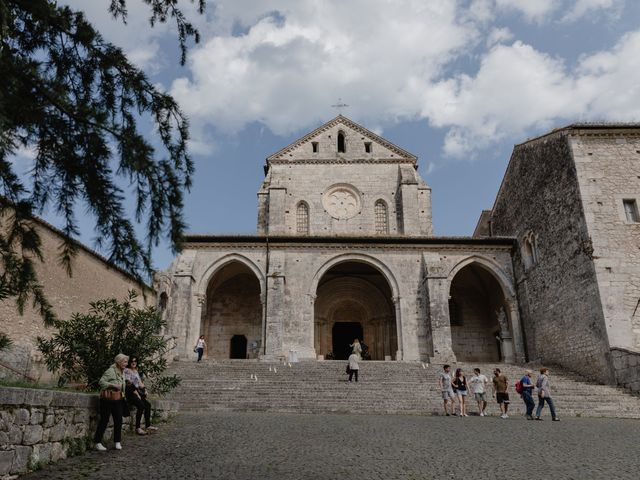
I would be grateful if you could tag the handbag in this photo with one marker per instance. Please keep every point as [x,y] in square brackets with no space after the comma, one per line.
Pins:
[112,395]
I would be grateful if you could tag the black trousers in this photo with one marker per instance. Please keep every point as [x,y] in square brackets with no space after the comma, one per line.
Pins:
[353,372]
[142,407]
[109,408]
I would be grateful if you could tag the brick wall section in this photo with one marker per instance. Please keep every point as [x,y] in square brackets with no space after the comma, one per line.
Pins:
[627,366]
[93,278]
[608,167]
[43,426]
[559,299]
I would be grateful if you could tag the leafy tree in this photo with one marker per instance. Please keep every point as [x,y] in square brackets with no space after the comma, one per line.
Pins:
[85,345]
[75,101]
[5,341]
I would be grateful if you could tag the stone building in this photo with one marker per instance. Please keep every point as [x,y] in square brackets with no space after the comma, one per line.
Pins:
[570,198]
[344,249]
[93,278]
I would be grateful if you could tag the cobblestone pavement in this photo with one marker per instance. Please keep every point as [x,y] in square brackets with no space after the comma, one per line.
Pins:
[289,446]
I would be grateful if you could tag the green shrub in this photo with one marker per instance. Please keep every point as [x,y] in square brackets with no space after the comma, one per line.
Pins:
[85,345]
[5,341]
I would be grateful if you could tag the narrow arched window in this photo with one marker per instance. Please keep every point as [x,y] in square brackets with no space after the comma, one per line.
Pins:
[382,217]
[162,304]
[302,218]
[341,143]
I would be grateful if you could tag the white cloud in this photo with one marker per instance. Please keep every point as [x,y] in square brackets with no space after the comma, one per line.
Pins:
[533,10]
[499,35]
[584,7]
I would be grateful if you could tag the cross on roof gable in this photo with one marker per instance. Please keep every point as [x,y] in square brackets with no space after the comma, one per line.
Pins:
[388,150]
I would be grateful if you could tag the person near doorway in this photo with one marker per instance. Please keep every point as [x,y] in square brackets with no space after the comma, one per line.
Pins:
[544,395]
[112,388]
[136,394]
[200,346]
[446,388]
[500,386]
[356,348]
[353,366]
[460,390]
[527,393]
[479,384]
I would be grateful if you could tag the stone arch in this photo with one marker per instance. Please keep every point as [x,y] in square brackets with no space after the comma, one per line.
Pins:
[355,291]
[231,306]
[483,313]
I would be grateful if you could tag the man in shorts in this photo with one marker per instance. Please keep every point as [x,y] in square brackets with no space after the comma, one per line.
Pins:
[479,385]
[444,383]
[500,385]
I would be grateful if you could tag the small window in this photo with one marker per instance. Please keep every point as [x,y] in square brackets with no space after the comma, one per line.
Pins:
[341,143]
[631,211]
[367,147]
[382,217]
[162,304]
[314,145]
[302,218]
[529,250]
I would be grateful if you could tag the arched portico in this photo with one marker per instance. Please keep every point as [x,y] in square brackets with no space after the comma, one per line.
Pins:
[483,314]
[356,293]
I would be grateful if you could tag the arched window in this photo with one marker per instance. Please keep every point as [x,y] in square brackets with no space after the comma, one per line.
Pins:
[530,250]
[382,217]
[341,143]
[162,304]
[302,218]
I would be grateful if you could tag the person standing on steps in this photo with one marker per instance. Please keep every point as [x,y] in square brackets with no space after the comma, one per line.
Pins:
[356,348]
[200,346]
[500,386]
[544,395]
[460,389]
[479,384]
[112,388]
[527,393]
[353,366]
[446,388]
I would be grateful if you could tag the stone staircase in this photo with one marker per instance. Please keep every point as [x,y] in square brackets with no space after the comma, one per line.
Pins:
[384,388]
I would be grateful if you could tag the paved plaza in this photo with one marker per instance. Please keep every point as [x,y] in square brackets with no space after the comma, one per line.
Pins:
[289,446]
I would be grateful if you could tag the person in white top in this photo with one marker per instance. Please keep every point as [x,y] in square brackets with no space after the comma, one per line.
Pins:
[200,346]
[353,366]
[478,385]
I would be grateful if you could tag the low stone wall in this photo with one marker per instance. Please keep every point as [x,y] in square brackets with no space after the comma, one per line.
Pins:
[627,367]
[42,426]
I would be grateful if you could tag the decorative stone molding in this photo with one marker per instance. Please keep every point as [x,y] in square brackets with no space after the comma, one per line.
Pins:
[342,201]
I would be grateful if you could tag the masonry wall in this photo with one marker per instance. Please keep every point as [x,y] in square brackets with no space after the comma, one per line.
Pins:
[43,426]
[608,168]
[92,279]
[559,298]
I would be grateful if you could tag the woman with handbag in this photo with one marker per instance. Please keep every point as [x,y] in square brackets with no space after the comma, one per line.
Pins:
[112,387]
[136,394]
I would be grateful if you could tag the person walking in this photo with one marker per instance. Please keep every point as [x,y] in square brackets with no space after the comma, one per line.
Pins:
[527,393]
[353,366]
[112,387]
[356,348]
[478,384]
[544,395]
[446,388]
[460,390]
[136,395]
[200,346]
[500,386]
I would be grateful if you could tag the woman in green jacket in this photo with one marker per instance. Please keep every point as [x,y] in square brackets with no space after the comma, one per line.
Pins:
[111,393]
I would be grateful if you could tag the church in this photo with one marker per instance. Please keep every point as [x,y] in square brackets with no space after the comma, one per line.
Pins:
[345,249]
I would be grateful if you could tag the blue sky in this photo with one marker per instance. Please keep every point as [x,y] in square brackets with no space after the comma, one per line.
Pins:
[457,83]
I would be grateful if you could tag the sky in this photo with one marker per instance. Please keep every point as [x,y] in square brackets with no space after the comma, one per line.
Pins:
[455,82]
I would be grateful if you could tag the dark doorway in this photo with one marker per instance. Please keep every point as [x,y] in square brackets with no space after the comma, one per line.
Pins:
[343,335]
[238,347]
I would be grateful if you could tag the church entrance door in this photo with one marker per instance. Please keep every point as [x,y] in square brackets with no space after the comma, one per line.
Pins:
[343,335]
[238,347]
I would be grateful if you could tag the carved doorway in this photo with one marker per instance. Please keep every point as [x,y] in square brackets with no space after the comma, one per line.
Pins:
[238,347]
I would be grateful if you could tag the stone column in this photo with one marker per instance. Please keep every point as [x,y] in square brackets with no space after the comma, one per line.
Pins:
[438,288]
[179,323]
[274,328]
[516,329]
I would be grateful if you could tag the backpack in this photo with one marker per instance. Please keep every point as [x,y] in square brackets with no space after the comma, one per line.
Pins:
[519,388]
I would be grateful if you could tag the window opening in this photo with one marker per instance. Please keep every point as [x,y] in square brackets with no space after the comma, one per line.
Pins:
[631,211]
[341,143]
[382,217]
[314,145]
[367,147]
[302,218]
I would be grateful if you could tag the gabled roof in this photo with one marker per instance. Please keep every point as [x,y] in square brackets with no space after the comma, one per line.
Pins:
[340,119]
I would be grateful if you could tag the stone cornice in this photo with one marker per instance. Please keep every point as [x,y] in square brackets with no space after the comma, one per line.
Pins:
[342,161]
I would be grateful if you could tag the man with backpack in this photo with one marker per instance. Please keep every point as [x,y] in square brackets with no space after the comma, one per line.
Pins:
[524,387]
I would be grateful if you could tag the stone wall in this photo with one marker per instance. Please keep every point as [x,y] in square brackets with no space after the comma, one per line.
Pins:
[558,294]
[43,426]
[93,278]
[608,167]
[627,366]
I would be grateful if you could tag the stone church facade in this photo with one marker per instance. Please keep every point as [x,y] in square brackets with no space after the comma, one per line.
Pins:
[345,248]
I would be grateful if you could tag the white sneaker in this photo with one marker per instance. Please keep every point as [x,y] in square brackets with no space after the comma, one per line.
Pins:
[118,446]
[100,447]
[506,416]
[482,414]
[503,415]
